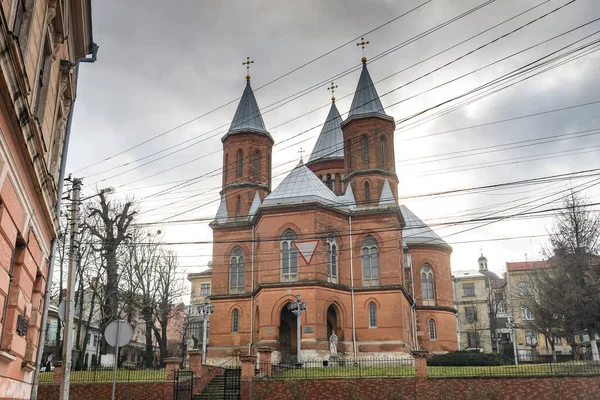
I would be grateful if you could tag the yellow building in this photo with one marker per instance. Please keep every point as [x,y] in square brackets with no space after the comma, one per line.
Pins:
[519,283]
[201,286]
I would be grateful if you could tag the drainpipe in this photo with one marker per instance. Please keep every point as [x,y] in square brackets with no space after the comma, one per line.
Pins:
[61,177]
[352,291]
[413,307]
[252,299]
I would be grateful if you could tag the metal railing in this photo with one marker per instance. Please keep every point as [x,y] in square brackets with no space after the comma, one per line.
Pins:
[105,374]
[339,368]
[571,368]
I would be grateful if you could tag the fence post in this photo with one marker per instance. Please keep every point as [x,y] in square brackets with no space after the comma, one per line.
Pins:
[195,357]
[58,372]
[264,360]
[248,362]
[172,364]
[420,357]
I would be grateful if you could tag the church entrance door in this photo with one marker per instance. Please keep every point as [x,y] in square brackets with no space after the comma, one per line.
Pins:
[287,335]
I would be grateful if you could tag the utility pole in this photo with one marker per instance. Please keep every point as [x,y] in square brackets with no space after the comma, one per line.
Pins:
[298,307]
[511,325]
[69,301]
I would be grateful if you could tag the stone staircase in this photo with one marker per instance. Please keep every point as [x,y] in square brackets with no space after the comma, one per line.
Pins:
[214,390]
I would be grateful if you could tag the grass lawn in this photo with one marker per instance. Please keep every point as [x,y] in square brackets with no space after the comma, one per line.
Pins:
[106,375]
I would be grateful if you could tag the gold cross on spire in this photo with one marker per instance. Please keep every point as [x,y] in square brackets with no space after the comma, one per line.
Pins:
[300,152]
[332,88]
[247,64]
[363,44]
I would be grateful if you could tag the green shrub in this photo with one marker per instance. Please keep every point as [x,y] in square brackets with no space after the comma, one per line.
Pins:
[467,358]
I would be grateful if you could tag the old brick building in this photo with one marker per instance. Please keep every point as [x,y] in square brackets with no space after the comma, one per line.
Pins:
[40,42]
[378,277]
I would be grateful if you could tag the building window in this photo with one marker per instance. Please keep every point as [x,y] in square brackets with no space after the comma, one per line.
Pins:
[289,257]
[530,338]
[432,334]
[472,340]
[331,260]
[349,147]
[525,289]
[427,283]
[372,315]
[499,302]
[329,182]
[382,146]
[269,170]
[237,264]
[370,262]
[240,163]
[226,168]
[470,314]
[95,340]
[43,79]
[19,15]
[367,191]
[256,162]
[527,314]
[238,205]
[468,289]
[235,321]
[365,143]
[205,289]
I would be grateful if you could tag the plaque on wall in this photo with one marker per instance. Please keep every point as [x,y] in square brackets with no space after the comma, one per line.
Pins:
[308,329]
[22,324]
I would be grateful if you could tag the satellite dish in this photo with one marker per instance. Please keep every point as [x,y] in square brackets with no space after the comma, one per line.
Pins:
[118,333]
[61,310]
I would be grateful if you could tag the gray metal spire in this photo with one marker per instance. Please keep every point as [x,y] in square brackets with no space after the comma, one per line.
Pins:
[366,100]
[416,232]
[222,213]
[330,143]
[247,117]
[387,197]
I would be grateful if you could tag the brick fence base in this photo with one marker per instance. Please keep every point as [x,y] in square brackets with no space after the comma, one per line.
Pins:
[551,388]
[102,391]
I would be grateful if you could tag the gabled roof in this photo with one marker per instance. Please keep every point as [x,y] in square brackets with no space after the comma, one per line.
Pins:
[366,100]
[348,198]
[247,117]
[255,205]
[416,232]
[526,265]
[222,213]
[387,197]
[330,143]
[301,185]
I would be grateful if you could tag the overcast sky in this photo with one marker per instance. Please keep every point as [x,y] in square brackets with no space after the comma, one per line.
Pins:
[162,64]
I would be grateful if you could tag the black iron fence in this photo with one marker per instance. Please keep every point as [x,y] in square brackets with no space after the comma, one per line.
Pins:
[338,368]
[105,374]
[570,368]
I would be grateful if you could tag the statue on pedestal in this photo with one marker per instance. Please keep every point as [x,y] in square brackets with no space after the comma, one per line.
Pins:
[333,343]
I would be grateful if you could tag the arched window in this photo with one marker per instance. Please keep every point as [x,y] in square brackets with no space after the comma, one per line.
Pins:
[427,284]
[329,182]
[332,269]
[431,329]
[367,191]
[235,321]
[382,146]
[237,264]
[372,315]
[238,206]
[370,262]
[256,162]
[365,143]
[289,257]
[269,170]
[240,163]
[349,147]
[226,167]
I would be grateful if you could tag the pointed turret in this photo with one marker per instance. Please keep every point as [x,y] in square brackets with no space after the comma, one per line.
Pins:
[368,134]
[246,160]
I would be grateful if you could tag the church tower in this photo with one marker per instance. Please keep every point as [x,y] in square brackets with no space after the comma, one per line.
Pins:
[246,159]
[327,158]
[368,135]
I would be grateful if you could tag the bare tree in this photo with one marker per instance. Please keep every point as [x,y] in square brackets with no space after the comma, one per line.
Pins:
[110,222]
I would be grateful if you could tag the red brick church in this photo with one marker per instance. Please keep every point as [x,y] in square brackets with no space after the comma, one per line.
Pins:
[369,269]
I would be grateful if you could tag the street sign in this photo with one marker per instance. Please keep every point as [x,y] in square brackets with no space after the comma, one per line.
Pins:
[306,248]
[118,333]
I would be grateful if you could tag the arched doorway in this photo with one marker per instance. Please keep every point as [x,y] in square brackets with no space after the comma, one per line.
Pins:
[287,335]
[332,322]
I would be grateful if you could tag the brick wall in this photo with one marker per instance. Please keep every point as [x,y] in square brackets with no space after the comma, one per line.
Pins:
[557,388]
[100,391]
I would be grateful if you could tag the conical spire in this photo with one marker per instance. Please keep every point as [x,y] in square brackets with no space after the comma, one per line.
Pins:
[330,143]
[366,100]
[247,117]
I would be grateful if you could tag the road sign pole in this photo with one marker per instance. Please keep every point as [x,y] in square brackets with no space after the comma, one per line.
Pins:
[114,387]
